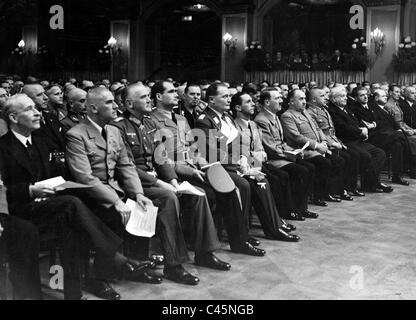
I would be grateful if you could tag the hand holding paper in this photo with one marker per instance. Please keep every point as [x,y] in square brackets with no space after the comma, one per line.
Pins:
[141,224]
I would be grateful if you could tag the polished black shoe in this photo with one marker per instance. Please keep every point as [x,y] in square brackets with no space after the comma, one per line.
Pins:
[412,175]
[254,242]
[209,260]
[346,197]
[250,250]
[284,236]
[357,193]
[331,198]
[133,271]
[286,228]
[310,215]
[146,277]
[289,226]
[159,260]
[180,275]
[295,216]
[399,180]
[383,188]
[319,202]
[101,289]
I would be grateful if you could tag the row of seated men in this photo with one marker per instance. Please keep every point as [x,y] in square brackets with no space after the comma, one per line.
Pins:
[145,154]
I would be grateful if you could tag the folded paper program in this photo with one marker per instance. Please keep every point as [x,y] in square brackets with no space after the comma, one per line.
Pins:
[59,184]
[141,223]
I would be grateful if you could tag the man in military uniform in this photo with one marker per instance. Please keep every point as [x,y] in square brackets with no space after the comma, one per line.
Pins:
[318,111]
[140,134]
[97,156]
[56,103]
[76,99]
[187,167]
[191,105]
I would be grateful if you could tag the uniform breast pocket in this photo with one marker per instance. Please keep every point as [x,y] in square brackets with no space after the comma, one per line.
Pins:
[303,126]
[91,152]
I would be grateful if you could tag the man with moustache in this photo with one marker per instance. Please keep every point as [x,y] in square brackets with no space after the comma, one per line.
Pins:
[98,157]
[299,128]
[223,144]
[251,148]
[300,174]
[76,99]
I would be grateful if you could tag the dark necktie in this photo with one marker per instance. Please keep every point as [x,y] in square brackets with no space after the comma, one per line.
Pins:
[104,134]
[251,138]
[174,118]
[29,149]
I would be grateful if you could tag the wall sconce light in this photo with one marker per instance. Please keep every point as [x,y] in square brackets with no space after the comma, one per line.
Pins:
[21,45]
[20,49]
[379,39]
[112,47]
[230,43]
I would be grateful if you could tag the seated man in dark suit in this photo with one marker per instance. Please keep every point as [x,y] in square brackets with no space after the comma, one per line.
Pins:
[355,135]
[19,240]
[97,156]
[382,132]
[24,163]
[317,108]
[50,130]
[408,106]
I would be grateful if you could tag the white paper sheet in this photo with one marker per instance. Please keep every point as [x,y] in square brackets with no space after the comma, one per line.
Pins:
[141,223]
[187,188]
[52,183]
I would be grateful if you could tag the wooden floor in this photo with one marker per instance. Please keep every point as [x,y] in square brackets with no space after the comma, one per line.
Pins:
[363,249]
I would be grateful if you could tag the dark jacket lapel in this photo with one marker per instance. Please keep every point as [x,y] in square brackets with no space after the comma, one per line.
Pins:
[17,150]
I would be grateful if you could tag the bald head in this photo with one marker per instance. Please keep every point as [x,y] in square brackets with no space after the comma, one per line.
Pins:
[380,97]
[37,93]
[317,97]
[101,107]
[137,99]
[77,99]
